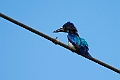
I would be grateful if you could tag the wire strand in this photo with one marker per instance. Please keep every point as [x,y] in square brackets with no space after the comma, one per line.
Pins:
[55,41]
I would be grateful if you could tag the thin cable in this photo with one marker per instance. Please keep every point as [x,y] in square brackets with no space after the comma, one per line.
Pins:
[55,41]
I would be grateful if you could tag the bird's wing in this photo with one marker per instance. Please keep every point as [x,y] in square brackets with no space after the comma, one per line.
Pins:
[83,42]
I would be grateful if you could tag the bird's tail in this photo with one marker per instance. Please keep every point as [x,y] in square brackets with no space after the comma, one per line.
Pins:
[83,51]
[85,54]
[88,55]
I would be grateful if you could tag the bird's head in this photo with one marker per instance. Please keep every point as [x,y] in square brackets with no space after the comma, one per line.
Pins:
[67,27]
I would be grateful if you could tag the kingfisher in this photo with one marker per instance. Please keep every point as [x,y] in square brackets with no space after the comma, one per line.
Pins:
[74,40]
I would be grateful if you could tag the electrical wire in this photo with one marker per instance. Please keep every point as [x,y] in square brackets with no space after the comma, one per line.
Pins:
[55,41]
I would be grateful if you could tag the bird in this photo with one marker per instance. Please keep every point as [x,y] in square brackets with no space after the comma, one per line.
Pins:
[74,40]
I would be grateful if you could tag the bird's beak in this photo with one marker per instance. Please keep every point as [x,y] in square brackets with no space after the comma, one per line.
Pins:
[59,30]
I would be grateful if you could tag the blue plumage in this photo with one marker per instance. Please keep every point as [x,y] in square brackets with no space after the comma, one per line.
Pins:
[74,40]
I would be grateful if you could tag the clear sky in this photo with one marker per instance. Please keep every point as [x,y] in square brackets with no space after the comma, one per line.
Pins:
[27,56]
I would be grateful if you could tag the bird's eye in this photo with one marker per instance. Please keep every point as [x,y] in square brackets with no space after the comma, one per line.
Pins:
[63,27]
[70,26]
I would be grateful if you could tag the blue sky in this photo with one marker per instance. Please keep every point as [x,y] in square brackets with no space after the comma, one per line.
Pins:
[27,56]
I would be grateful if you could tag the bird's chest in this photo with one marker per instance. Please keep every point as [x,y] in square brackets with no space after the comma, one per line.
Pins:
[70,44]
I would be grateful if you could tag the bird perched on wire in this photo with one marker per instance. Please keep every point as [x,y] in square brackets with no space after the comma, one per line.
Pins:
[74,39]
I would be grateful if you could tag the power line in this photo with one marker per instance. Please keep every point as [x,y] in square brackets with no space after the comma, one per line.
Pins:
[55,41]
